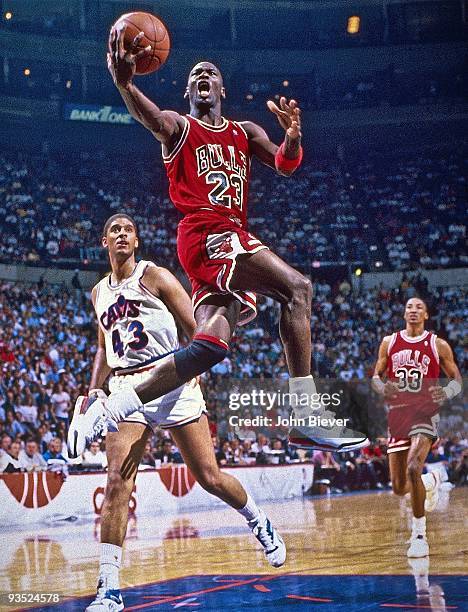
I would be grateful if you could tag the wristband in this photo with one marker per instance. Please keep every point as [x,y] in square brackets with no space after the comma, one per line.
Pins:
[282,163]
[452,389]
[378,385]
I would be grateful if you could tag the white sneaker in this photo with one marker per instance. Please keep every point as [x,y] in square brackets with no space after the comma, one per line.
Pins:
[270,539]
[90,420]
[432,495]
[107,600]
[327,436]
[418,546]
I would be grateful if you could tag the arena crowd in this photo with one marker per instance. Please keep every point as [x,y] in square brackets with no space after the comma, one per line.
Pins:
[46,358]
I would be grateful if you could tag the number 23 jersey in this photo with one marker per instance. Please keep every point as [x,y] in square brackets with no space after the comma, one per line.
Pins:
[138,327]
[209,169]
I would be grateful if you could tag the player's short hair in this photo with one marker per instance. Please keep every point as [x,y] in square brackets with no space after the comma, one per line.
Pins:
[112,218]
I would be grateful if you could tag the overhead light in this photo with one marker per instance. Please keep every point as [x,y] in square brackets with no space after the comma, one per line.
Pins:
[358,272]
[354,23]
[378,264]
[316,264]
[26,72]
[249,97]
[8,15]
[285,83]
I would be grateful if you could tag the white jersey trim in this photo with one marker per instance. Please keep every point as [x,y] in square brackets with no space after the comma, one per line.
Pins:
[168,158]
[410,339]
[393,338]
[434,347]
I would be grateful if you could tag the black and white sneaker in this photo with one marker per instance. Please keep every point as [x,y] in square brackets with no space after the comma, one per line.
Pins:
[270,539]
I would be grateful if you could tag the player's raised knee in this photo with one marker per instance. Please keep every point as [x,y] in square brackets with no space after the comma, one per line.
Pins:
[199,356]
[301,289]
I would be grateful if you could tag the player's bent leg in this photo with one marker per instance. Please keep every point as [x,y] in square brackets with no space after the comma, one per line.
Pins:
[216,319]
[266,273]
[194,442]
[124,452]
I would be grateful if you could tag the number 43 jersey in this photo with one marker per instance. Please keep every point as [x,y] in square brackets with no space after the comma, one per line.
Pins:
[413,364]
[209,169]
[138,327]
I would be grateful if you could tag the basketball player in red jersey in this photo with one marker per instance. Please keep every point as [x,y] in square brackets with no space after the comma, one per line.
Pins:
[207,160]
[411,359]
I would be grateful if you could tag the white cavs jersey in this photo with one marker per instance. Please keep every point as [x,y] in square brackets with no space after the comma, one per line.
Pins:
[138,328]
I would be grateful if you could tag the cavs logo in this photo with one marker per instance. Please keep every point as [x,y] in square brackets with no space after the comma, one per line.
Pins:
[34,489]
[177,479]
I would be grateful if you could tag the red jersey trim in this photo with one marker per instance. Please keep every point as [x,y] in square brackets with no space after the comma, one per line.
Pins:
[168,158]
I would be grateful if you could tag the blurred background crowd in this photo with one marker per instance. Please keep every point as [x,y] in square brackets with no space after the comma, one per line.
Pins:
[390,212]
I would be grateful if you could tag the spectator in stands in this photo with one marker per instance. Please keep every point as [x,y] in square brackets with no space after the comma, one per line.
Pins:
[168,454]
[60,401]
[30,458]
[9,461]
[94,457]
[54,451]
[148,456]
[224,456]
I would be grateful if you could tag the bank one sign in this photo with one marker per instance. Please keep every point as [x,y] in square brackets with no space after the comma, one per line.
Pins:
[117,115]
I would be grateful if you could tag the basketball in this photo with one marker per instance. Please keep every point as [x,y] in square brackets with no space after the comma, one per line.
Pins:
[156,35]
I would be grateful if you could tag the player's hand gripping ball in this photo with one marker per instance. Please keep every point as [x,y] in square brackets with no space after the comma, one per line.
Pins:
[139,43]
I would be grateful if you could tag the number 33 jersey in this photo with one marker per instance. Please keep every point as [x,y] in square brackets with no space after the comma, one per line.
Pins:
[209,169]
[138,327]
[413,364]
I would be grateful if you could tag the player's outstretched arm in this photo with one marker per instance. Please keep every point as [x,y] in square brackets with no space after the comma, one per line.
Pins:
[286,158]
[100,370]
[164,125]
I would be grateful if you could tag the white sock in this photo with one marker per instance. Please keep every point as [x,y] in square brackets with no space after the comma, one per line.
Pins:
[419,526]
[109,565]
[422,583]
[123,402]
[250,511]
[302,386]
[429,481]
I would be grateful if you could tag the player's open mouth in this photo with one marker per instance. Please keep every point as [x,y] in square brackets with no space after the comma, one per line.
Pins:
[203,89]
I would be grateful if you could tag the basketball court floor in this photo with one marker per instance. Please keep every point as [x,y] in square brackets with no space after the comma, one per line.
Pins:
[345,553]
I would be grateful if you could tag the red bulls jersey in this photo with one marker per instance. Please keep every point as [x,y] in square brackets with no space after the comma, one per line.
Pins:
[413,363]
[209,169]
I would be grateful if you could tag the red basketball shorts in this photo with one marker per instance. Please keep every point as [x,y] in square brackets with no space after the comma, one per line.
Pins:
[208,246]
[404,423]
